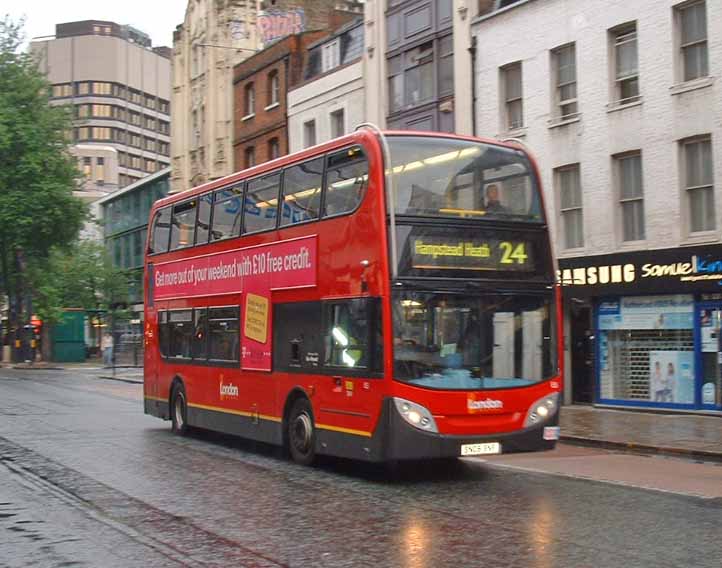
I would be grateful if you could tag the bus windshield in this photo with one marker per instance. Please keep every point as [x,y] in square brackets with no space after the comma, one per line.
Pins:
[466,342]
[445,177]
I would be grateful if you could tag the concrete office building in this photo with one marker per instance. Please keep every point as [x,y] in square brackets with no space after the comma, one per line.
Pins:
[119,87]
[620,102]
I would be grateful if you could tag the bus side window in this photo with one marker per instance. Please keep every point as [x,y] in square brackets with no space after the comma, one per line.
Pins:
[346,179]
[223,334]
[183,225]
[163,333]
[261,204]
[302,192]
[203,222]
[180,332]
[297,333]
[161,228]
[199,346]
[226,213]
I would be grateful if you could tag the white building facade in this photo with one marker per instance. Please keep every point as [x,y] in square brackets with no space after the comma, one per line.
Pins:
[621,104]
[331,101]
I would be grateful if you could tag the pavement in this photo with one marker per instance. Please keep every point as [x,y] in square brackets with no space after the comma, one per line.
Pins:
[691,435]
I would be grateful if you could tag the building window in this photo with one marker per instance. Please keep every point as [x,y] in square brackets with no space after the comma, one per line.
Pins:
[692,24]
[83,88]
[338,123]
[564,62]
[249,99]
[699,183]
[83,111]
[250,157]
[511,82]
[87,167]
[570,200]
[626,68]
[331,56]
[273,88]
[100,88]
[274,149]
[419,74]
[65,90]
[631,195]
[446,65]
[309,133]
[395,83]
[100,170]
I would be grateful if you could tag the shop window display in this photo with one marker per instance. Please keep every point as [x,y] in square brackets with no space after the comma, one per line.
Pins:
[646,349]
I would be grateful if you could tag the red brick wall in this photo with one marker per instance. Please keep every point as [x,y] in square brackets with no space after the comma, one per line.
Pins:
[285,58]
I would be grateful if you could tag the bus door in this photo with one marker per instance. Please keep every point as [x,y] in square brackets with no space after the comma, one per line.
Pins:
[349,353]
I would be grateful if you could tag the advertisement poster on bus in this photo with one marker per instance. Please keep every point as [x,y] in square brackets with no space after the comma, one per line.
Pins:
[671,376]
[673,311]
[253,272]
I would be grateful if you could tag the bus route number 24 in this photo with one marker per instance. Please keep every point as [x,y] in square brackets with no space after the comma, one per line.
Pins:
[513,253]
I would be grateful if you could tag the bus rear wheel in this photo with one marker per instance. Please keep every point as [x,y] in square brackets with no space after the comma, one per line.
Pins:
[301,432]
[179,410]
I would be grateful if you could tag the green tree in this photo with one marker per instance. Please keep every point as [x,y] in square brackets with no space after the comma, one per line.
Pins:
[38,212]
[80,276]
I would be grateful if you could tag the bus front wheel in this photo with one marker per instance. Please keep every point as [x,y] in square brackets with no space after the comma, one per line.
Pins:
[179,410]
[301,432]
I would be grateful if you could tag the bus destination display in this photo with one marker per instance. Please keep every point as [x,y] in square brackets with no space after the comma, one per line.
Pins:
[471,254]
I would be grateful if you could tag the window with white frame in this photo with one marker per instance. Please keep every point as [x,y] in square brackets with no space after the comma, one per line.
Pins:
[631,195]
[570,201]
[250,99]
[338,125]
[331,55]
[511,84]
[626,68]
[309,133]
[273,88]
[564,62]
[698,180]
[692,29]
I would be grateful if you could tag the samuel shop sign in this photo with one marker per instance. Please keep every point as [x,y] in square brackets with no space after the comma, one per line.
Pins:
[693,269]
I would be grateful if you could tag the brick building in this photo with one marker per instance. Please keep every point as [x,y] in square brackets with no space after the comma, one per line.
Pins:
[260,87]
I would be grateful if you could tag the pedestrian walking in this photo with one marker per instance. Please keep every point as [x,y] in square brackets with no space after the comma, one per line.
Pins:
[107,346]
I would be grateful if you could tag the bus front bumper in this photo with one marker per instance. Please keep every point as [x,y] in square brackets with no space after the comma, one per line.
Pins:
[405,442]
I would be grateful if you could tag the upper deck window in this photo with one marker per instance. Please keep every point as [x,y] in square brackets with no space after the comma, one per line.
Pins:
[346,177]
[302,192]
[227,213]
[183,225]
[161,227]
[261,204]
[443,177]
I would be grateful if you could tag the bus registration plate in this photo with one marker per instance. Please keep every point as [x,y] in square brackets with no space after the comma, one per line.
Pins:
[480,449]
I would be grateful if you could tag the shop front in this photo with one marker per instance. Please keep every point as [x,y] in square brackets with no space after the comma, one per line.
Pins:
[650,335]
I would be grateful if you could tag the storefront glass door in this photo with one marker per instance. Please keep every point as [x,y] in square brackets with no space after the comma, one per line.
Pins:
[710,340]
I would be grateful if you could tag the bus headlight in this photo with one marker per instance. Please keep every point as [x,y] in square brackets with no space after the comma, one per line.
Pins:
[416,415]
[542,409]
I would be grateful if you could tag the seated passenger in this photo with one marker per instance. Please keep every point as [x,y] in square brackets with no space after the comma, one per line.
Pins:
[493,205]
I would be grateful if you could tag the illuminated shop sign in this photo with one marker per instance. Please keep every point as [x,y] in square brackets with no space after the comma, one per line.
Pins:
[686,269]
[432,252]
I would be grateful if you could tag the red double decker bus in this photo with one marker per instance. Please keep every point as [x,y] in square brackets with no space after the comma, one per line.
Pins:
[382,296]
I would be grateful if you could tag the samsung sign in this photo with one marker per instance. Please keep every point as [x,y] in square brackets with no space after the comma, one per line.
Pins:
[694,269]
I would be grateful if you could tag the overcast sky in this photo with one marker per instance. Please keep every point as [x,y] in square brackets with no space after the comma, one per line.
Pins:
[157,18]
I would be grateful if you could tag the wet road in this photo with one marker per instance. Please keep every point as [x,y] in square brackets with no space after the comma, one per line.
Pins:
[87,480]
